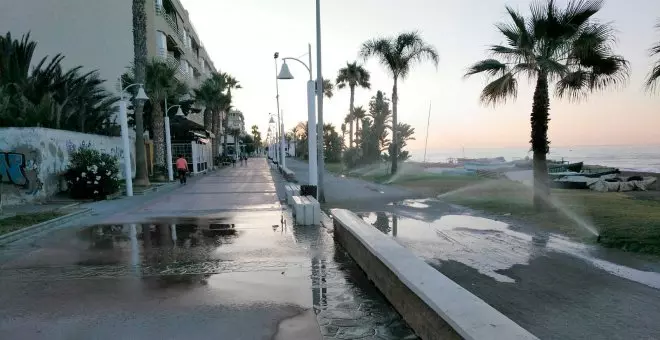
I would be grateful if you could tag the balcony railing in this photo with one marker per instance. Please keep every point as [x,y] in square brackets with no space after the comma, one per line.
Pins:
[171,21]
[172,61]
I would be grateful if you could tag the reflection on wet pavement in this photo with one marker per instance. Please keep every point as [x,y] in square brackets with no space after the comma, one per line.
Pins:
[544,282]
[225,260]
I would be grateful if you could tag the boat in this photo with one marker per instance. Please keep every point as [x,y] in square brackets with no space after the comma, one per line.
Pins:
[573,167]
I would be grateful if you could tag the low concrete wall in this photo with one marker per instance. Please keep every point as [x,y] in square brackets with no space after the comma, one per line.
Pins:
[31,160]
[432,304]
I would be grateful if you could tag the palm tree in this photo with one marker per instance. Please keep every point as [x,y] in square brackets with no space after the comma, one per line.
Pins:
[210,95]
[564,46]
[140,62]
[358,114]
[328,88]
[654,76]
[353,75]
[231,83]
[343,134]
[398,55]
[161,83]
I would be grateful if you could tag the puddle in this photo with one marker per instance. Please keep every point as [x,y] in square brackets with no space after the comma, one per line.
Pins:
[414,203]
[492,247]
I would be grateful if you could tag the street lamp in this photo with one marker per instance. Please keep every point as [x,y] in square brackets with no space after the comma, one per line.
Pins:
[280,121]
[168,139]
[278,152]
[311,116]
[123,122]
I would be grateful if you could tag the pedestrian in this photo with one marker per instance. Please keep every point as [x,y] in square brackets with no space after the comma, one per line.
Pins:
[246,157]
[182,169]
[233,160]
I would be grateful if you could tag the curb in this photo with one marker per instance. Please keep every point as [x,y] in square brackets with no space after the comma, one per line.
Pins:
[33,229]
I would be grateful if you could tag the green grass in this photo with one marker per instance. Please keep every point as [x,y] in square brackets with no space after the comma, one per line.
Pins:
[335,168]
[17,222]
[621,220]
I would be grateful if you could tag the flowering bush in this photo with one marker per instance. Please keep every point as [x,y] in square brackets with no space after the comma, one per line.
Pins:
[92,174]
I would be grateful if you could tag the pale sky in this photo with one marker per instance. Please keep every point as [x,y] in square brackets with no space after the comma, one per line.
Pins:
[241,37]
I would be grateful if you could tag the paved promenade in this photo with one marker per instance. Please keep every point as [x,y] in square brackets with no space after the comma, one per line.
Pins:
[216,258]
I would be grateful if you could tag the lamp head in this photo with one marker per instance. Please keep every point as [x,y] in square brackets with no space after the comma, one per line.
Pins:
[271,121]
[277,54]
[179,112]
[284,72]
[141,95]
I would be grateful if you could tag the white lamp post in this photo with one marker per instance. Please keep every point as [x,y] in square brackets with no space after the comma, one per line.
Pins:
[278,133]
[280,121]
[168,139]
[123,121]
[311,114]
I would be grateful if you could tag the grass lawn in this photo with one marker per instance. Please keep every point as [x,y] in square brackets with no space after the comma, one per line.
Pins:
[335,168]
[623,221]
[17,222]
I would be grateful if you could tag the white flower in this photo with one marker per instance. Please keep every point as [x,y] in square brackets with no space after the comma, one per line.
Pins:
[108,173]
[77,179]
[102,163]
[83,174]
[98,178]
[96,191]
[88,182]
[95,182]
[89,168]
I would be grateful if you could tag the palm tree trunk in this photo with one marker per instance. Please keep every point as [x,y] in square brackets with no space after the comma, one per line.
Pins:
[140,62]
[540,146]
[216,132]
[224,133]
[208,119]
[350,111]
[357,132]
[395,122]
[159,135]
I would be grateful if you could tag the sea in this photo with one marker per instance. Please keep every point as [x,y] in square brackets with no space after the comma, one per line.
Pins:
[642,158]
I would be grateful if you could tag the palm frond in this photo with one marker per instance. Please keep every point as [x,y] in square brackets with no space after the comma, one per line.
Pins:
[500,90]
[381,48]
[653,78]
[491,67]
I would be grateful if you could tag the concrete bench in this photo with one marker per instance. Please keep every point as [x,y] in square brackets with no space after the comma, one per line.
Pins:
[288,174]
[306,210]
[291,190]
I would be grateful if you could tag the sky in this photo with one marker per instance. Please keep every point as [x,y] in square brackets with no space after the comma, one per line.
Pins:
[241,37]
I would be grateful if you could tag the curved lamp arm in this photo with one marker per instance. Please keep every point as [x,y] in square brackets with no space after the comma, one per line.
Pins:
[300,61]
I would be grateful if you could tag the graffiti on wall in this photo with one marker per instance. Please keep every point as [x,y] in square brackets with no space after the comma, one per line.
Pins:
[20,168]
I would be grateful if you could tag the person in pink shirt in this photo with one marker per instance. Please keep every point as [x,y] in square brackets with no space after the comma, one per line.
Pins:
[182,168]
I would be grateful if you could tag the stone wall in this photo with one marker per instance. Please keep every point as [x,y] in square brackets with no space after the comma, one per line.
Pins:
[32,160]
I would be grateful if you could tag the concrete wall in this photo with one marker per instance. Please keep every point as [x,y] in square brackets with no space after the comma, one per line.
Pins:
[94,34]
[31,160]
[433,305]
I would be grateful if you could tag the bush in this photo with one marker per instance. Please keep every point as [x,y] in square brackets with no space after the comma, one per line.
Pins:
[92,174]
[352,157]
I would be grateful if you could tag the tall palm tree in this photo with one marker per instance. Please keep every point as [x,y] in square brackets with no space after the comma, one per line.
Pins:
[210,95]
[161,83]
[231,83]
[654,76]
[566,47]
[353,75]
[358,114]
[399,54]
[140,62]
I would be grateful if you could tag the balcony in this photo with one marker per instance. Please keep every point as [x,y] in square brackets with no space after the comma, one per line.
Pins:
[171,21]
[172,61]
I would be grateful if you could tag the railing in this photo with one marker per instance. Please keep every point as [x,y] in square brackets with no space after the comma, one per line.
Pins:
[171,21]
[172,61]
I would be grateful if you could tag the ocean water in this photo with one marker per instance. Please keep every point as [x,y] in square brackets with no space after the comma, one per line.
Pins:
[644,158]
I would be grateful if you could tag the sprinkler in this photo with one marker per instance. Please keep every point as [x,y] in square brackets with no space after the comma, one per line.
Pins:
[598,239]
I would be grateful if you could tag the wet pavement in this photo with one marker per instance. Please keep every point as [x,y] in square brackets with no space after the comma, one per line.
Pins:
[217,258]
[548,284]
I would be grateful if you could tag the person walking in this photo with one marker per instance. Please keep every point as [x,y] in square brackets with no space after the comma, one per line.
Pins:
[182,169]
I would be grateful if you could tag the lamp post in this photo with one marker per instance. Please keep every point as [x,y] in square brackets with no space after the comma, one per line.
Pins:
[123,122]
[280,121]
[311,114]
[279,150]
[319,97]
[168,139]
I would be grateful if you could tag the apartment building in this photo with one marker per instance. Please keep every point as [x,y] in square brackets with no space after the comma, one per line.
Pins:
[97,34]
